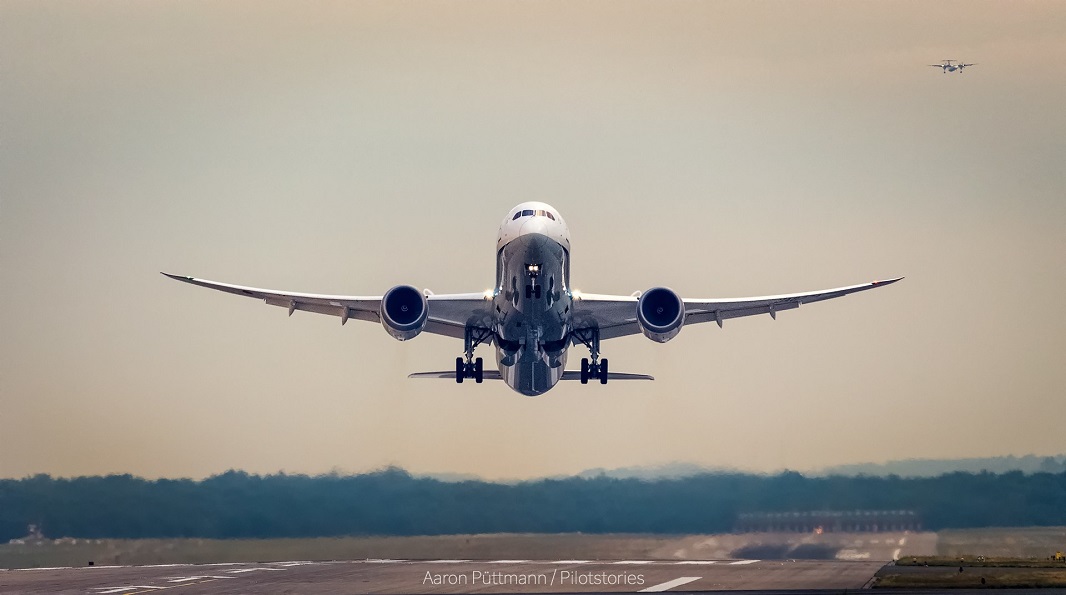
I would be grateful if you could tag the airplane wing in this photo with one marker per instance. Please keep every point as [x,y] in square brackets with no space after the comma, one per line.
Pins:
[448,313]
[616,316]
[567,375]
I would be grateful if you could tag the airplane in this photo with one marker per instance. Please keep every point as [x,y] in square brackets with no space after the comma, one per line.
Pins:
[948,66]
[532,314]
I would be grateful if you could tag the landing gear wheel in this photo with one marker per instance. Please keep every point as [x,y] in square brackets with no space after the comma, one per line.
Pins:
[460,370]
[603,371]
[479,371]
[584,370]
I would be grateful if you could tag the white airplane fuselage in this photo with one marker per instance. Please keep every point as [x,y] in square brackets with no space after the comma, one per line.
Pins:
[532,298]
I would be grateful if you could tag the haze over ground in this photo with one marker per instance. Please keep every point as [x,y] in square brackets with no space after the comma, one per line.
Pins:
[721,149]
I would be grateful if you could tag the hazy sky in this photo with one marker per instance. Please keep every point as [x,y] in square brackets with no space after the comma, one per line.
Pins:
[722,149]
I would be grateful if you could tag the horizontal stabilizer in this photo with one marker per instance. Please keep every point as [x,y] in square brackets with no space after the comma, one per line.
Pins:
[575,375]
[567,375]
[487,375]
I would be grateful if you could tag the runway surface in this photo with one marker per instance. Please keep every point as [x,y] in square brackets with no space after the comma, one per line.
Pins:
[446,577]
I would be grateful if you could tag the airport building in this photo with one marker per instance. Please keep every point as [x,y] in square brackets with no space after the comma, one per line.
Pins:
[829,521]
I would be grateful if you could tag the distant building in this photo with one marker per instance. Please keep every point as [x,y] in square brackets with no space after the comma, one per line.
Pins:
[828,521]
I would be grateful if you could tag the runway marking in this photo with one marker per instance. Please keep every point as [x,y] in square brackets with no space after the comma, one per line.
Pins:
[670,584]
[741,562]
[121,589]
[446,561]
[240,570]
[383,561]
[632,562]
[701,562]
[185,579]
[48,568]
[507,562]
[299,563]
[570,562]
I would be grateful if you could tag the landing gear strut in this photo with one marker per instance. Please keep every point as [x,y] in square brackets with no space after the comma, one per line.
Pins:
[468,366]
[597,368]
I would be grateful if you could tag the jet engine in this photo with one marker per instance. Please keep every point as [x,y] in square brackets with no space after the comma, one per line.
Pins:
[660,314]
[404,311]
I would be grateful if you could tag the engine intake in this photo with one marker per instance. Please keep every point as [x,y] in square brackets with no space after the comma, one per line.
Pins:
[660,314]
[404,311]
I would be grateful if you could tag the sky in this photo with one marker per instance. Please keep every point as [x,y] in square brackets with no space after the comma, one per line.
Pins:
[724,149]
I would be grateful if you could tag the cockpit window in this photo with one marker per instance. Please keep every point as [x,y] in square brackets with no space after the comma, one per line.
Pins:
[532,213]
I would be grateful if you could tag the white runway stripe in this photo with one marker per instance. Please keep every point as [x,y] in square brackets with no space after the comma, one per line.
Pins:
[240,570]
[48,568]
[446,561]
[741,562]
[507,562]
[570,562]
[670,584]
[697,562]
[383,561]
[632,562]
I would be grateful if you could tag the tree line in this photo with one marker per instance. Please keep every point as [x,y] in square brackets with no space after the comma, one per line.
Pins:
[392,502]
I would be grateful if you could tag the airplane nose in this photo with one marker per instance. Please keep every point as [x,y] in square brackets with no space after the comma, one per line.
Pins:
[533,225]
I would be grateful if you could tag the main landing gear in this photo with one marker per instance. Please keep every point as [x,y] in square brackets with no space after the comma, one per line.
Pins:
[472,368]
[468,366]
[593,370]
[597,368]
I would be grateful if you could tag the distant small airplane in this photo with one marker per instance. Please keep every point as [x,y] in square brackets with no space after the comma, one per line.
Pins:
[951,66]
[532,313]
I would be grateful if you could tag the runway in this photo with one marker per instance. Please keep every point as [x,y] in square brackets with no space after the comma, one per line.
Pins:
[446,577]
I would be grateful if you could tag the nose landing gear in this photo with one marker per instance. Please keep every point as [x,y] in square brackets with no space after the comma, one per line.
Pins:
[533,290]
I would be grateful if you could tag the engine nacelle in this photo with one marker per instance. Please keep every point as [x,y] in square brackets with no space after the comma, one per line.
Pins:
[404,311]
[660,314]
